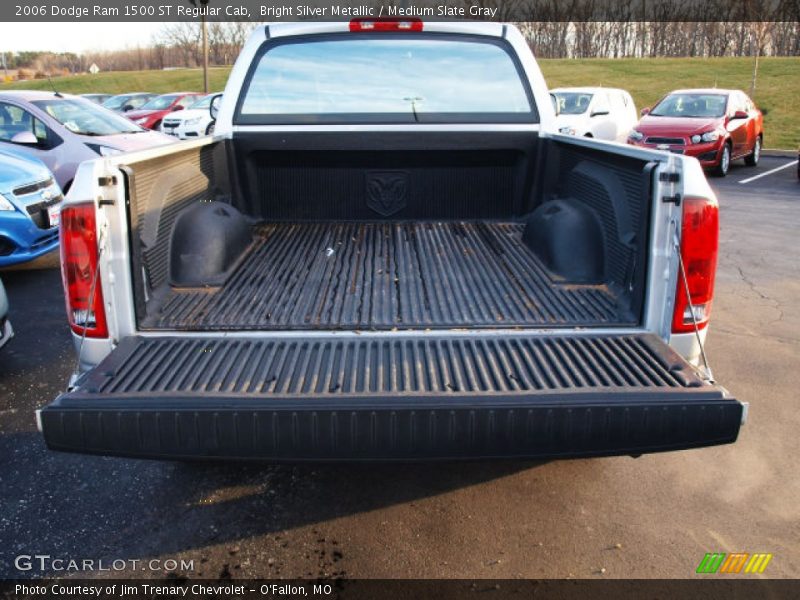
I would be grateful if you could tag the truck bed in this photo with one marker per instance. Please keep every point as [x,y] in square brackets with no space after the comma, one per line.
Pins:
[386,275]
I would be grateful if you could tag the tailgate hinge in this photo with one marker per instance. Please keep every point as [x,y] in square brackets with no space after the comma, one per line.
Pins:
[676,199]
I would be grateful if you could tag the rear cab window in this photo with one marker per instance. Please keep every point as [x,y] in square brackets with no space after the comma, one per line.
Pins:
[386,78]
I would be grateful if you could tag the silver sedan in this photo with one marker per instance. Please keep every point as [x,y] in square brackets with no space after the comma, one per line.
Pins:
[63,131]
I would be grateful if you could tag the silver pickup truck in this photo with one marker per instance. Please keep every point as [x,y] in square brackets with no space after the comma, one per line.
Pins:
[387,252]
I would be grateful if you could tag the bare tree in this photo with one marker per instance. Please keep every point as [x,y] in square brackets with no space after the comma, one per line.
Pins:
[225,40]
[185,37]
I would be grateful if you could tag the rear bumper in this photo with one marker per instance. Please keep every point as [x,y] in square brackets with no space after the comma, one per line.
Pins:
[388,429]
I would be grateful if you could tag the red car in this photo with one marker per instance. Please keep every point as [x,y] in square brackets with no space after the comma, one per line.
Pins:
[715,126]
[150,114]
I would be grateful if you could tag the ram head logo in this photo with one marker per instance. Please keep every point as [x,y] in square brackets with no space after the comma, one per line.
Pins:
[387,191]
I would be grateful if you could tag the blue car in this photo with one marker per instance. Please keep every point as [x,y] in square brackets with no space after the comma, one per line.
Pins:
[30,201]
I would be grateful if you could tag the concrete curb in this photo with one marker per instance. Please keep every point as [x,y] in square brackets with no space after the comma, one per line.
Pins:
[782,153]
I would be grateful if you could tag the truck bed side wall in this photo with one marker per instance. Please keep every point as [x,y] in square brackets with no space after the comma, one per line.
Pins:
[618,190]
[418,175]
[158,190]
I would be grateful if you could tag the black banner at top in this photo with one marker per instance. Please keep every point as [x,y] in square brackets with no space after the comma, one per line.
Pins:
[336,10]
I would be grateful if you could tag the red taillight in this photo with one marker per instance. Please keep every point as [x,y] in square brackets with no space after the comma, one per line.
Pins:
[699,249]
[387,24]
[79,271]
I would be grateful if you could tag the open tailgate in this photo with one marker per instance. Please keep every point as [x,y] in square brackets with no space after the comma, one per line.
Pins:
[401,396]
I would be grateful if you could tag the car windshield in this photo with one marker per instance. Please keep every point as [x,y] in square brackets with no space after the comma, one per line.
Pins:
[132,100]
[373,79]
[160,102]
[203,103]
[85,118]
[691,105]
[573,103]
[115,102]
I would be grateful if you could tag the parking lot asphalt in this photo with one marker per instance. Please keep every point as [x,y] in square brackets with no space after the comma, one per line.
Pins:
[655,516]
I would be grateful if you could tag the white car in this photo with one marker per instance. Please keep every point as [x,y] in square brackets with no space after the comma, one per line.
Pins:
[597,112]
[193,122]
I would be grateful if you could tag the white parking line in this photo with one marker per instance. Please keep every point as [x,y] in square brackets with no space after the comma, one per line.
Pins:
[770,172]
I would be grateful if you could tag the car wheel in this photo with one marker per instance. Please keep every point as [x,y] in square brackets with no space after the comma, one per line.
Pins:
[751,160]
[210,128]
[724,162]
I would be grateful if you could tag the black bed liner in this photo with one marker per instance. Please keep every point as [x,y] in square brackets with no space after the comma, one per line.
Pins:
[361,275]
[391,396]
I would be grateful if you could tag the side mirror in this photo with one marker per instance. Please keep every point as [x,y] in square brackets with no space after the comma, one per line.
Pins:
[645,111]
[556,107]
[24,137]
[174,108]
[213,109]
[127,108]
[740,114]
[598,113]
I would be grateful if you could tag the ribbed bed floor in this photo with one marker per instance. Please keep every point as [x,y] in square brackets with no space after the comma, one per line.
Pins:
[355,275]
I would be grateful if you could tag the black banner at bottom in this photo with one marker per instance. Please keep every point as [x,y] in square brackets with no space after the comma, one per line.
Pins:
[389,589]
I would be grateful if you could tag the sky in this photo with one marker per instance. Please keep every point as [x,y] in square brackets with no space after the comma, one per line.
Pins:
[75,37]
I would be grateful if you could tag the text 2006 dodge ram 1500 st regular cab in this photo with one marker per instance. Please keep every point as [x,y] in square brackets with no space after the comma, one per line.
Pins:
[386,252]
